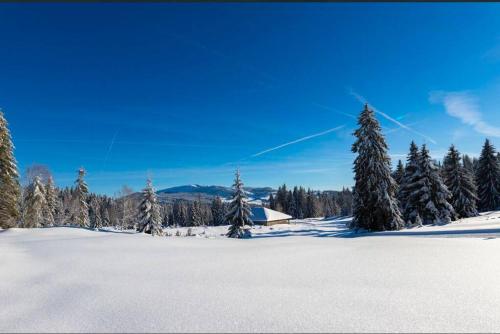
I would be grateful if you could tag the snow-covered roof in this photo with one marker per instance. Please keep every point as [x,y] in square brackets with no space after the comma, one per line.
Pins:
[261,214]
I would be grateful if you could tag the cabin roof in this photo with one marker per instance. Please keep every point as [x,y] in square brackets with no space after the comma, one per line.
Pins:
[261,214]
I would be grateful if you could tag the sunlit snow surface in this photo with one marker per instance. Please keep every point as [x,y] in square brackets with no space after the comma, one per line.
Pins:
[309,276]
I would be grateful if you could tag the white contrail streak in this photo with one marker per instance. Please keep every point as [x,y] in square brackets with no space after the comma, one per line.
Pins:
[398,123]
[110,148]
[298,140]
[334,110]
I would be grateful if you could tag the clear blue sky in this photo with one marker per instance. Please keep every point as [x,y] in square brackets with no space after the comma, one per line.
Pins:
[185,92]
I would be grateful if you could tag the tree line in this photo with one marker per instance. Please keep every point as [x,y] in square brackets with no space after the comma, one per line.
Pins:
[301,204]
[421,191]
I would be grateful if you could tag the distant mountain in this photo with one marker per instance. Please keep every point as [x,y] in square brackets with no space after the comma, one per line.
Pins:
[207,193]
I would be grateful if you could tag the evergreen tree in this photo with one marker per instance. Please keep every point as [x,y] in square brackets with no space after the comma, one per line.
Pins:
[218,211]
[409,186]
[95,213]
[399,173]
[52,201]
[195,213]
[106,218]
[272,202]
[35,205]
[290,205]
[281,199]
[487,179]
[239,212]
[9,179]
[313,205]
[375,206]
[460,182]
[468,164]
[432,194]
[149,212]
[82,208]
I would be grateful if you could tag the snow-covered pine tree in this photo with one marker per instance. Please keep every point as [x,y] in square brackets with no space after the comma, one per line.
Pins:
[398,174]
[106,220]
[460,182]
[239,212]
[35,205]
[290,200]
[195,213]
[410,205]
[218,211]
[488,178]
[9,179]
[52,201]
[432,193]
[375,205]
[149,212]
[468,164]
[272,203]
[81,193]
[95,213]
[313,205]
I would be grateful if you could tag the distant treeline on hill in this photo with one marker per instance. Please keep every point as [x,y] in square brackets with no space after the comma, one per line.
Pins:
[300,203]
[122,212]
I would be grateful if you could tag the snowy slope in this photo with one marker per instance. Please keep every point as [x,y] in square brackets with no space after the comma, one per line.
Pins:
[309,276]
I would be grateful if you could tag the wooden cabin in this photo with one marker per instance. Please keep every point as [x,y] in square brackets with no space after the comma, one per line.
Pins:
[265,216]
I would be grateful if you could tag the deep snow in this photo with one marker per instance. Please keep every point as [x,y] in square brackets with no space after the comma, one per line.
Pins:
[309,276]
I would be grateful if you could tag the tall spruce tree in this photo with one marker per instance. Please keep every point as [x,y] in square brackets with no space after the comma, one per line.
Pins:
[239,212]
[81,193]
[218,211]
[460,182]
[272,202]
[398,174]
[431,193]
[468,164]
[195,214]
[9,179]
[313,209]
[52,200]
[35,204]
[409,204]
[95,213]
[375,206]
[488,178]
[149,212]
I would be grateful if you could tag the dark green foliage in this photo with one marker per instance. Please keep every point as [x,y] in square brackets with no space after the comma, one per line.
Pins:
[460,182]
[375,205]
[9,179]
[487,178]
[409,185]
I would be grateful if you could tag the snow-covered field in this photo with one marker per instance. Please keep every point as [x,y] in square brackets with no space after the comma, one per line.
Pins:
[309,276]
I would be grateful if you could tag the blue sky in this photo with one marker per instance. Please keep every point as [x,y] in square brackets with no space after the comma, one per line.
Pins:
[186,92]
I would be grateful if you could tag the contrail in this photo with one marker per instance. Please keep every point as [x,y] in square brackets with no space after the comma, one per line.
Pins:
[398,128]
[110,148]
[334,110]
[298,140]
[398,123]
